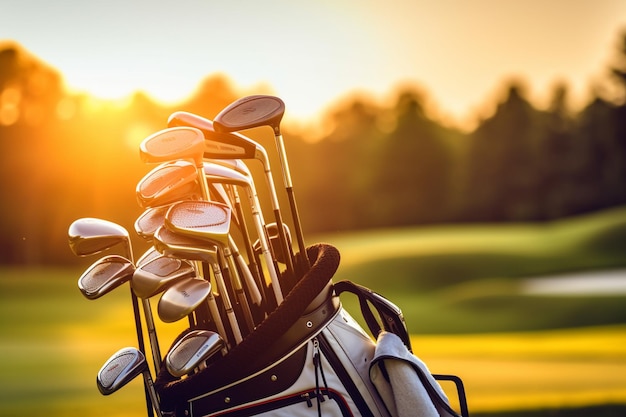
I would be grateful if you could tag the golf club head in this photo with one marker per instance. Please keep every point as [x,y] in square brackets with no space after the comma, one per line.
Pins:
[236,164]
[147,223]
[272,232]
[173,143]
[105,275]
[206,220]
[158,274]
[173,244]
[182,298]
[167,183]
[216,172]
[191,351]
[220,145]
[249,112]
[88,236]
[121,368]
[147,256]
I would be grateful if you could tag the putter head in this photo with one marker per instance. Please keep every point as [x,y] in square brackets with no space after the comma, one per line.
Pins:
[167,183]
[173,244]
[88,236]
[105,275]
[120,369]
[158,274]
[173,143]
[220,145]
[207,220]
[191,351]
[182,298]
[147,223]
[249,112]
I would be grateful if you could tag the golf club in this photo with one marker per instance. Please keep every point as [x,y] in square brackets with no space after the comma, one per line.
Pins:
[182,298]
[167,183]
[89,236]
[172,244]
[149,220]
[264,110]
[147,256]
[158,274]
[210,221]
[121,368]
[191,351]
[105,275]
[176,143]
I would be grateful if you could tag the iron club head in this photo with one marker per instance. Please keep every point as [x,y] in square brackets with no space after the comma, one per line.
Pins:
[200,219]
[104,275]
[182,298]
[167,183]
[192,350]
[158,274]
[119,369]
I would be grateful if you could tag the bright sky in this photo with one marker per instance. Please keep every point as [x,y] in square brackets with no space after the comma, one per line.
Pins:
[313,52]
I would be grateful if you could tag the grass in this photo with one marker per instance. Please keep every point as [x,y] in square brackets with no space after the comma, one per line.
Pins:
[459,288]
[468,279]
[554,369]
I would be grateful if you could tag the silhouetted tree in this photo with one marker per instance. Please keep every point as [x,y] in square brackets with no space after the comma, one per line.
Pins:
[29,94]
[503,169]
[557,155]
[412,177]
[341,168]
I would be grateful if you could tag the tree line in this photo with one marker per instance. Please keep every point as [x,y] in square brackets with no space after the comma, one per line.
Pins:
[66,156]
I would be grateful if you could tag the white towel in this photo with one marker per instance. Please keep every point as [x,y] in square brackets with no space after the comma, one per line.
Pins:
[395,372]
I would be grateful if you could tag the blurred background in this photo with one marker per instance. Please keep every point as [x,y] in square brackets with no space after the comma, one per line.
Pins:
[472,154]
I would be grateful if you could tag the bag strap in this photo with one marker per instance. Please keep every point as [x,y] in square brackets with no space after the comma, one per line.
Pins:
[390,315]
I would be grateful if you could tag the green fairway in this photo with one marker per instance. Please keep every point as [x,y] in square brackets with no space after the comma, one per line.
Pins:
[467,279]
[459,288]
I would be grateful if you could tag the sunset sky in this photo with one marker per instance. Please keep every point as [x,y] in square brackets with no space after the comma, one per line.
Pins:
[311,53]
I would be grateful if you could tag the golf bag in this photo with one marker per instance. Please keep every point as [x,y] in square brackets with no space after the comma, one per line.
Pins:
[309,357]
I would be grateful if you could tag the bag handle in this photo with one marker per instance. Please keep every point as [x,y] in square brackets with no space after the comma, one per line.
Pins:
[390,315]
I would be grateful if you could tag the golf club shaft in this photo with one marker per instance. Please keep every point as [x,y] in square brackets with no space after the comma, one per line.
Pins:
[142,349]
[280,144]
[238,289]
[228,307]
[147,311]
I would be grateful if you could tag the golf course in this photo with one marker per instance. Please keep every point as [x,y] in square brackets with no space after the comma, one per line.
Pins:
[471,296]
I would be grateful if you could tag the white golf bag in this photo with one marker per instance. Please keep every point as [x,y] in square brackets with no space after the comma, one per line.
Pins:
[311,358]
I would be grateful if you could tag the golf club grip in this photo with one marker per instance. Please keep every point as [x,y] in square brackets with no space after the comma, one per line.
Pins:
[237,363]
